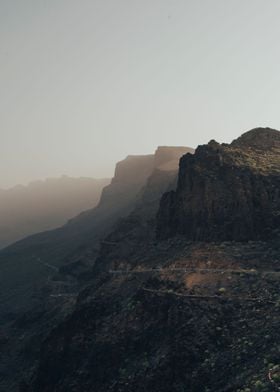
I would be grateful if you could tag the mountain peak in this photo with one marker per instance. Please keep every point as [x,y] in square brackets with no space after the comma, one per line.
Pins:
[259,138]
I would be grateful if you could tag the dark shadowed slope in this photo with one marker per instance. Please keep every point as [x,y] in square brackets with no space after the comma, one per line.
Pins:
[30,261]
[41,275]
[45,205]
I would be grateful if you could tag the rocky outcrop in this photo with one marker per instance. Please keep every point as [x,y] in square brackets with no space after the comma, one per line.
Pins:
[226,192]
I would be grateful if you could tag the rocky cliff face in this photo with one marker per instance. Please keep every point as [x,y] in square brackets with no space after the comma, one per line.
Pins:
[226,192]
[130,176]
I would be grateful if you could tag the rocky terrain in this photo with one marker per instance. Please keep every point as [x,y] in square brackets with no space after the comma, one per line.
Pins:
[45,205]
[226,192]
[41,275]
[183,294]
[177,317]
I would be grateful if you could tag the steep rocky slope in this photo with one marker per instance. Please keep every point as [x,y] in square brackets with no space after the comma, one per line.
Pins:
[180,314]
[45,205]
[174,328]
[41,276]
[226,192]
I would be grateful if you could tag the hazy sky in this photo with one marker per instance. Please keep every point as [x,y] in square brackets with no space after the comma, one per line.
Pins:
[83,83]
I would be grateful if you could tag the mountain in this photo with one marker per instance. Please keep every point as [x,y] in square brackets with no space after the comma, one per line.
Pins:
[41,275]
[117,200]
[177,303]
[227,192]
[45,205]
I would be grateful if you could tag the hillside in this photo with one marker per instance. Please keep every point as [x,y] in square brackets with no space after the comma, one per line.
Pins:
[169,319]
[34,272]
[45,205]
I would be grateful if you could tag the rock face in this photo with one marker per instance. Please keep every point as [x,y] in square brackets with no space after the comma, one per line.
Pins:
[226,192]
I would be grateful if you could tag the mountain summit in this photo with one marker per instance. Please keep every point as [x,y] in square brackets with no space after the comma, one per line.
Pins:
[259,138]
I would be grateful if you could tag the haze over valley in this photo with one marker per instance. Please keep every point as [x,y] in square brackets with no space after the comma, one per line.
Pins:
[45,205]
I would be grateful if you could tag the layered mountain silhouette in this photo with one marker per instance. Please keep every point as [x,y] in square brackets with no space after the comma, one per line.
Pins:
[182,292]
[69,252]
[45,205]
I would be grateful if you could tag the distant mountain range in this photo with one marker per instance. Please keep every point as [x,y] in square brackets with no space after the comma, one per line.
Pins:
[45,205]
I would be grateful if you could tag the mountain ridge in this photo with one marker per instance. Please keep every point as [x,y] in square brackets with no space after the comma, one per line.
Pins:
[226,191]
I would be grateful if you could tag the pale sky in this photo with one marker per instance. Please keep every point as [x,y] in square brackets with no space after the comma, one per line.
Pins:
[83,83]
